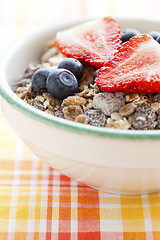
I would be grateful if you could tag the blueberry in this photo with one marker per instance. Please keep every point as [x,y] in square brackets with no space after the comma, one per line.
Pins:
[61,83]
[129,33]
[73,65]
[154,34]
[39,80]
[158,39]
[95,75]
[122,43]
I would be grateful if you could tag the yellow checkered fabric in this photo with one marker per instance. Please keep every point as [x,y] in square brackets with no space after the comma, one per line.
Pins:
[37,202]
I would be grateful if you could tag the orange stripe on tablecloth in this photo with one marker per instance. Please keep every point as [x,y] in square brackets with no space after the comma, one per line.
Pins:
[91,236]
[154,207]
[49,206]
[64,232]
[3,235]
[88,213]
[26,166]
[33,211]
[88,216]
[37,212]
[20,235]
[65,211]
[64,236]
[36,236]
[132,214]
[134,236]
[156,235]
[7,165]
[6,177]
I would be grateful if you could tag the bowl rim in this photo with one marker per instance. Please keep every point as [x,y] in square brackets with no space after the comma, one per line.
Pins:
[19,104]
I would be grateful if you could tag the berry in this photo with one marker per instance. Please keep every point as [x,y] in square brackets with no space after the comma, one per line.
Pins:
[61,83]
[135,68]
[95,75]
[92,42]
[128,33]
[39,78]
[158,39]
[154,34]
[73,65]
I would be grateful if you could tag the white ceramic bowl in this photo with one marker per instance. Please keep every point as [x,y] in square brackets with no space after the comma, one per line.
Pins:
[117,161]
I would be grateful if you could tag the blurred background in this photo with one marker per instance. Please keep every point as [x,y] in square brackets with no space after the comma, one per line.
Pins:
[21,16]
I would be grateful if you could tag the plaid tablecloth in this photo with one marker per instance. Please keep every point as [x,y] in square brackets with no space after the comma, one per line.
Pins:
[37,202]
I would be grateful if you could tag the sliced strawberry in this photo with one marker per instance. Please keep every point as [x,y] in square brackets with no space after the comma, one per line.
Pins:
[92,42]
[135,68]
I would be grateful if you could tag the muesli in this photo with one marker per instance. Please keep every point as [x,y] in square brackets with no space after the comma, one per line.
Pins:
[96,74]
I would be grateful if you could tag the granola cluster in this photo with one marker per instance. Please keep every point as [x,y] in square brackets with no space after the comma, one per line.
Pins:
[89,105]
